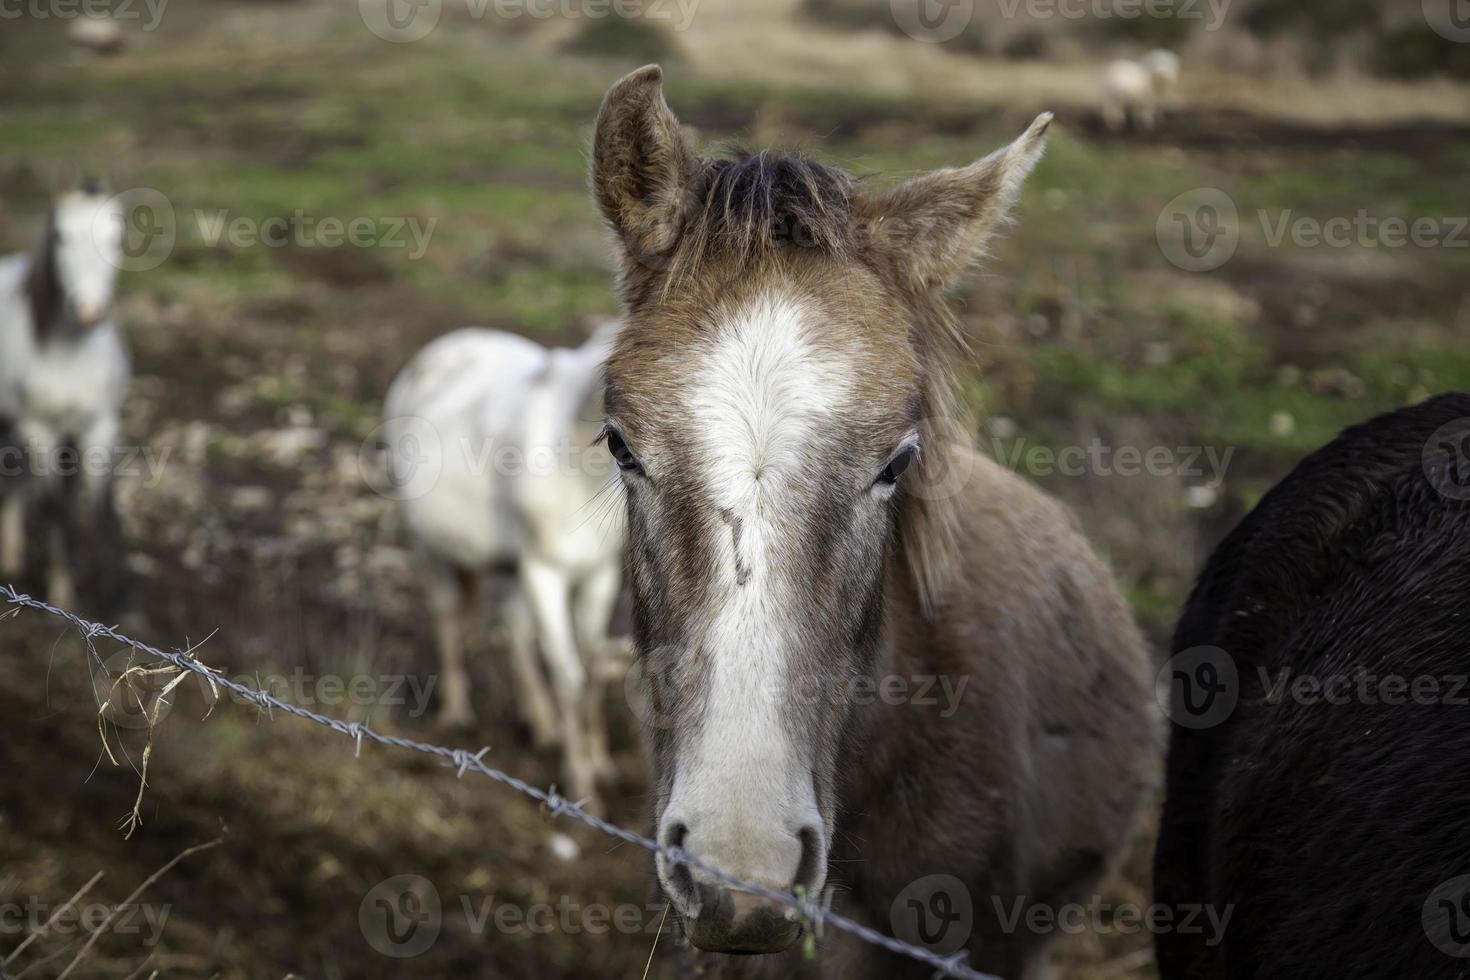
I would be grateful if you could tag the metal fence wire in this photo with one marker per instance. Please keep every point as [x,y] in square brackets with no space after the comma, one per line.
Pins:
[463,761]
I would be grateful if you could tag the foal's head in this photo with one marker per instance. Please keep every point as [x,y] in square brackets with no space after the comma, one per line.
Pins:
[771,406]
[74,271]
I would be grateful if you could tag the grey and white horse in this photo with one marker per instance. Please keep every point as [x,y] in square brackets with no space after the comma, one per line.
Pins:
[64,370]
[491,437]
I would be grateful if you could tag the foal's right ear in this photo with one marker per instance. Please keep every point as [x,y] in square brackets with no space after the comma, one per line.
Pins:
[641,167]
[935,225]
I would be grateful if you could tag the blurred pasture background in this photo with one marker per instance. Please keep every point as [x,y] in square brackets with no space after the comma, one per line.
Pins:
[260,371]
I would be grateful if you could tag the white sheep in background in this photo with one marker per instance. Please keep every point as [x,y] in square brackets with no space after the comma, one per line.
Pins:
[100,34]
[1139,90]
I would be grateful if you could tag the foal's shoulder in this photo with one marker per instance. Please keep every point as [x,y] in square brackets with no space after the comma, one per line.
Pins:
[1015,535]
[997,496]
[1026,569]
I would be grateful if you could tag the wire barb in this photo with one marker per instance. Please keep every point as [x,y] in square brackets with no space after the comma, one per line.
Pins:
[817,913]
[356,730]
[957,965]
[464,759]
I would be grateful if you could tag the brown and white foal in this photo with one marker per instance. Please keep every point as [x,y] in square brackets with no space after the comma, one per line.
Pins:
[812,560]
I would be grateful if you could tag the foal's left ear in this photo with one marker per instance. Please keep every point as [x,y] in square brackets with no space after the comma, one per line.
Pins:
[930,228]
[641,167]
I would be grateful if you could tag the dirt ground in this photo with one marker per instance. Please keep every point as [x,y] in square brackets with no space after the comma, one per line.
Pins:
[257,540]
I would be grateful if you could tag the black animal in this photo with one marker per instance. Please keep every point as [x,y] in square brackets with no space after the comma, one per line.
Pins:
[1320,796]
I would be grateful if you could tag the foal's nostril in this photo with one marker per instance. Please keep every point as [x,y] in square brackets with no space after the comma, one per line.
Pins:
[675,834]
[680,882]
[810,869]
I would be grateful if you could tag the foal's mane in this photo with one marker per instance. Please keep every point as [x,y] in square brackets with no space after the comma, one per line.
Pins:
[749,207]
[43,282]
[754,203]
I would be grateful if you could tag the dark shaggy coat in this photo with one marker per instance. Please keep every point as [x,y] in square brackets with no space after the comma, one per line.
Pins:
[1329,811]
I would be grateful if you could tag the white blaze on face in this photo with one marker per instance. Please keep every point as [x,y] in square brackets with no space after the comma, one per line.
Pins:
[89,252]
[757,405]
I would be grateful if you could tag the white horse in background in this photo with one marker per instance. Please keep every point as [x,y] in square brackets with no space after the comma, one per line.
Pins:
[64,370]
[491,440]
[1140,90]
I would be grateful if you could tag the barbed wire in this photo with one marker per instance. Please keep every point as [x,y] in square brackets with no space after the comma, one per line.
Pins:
[463,761]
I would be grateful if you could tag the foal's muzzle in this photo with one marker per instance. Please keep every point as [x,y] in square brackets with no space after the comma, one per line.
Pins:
[726,920]
[739,922]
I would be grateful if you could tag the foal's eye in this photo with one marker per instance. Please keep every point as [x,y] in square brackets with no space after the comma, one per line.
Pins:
[621,454]
[897,465]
